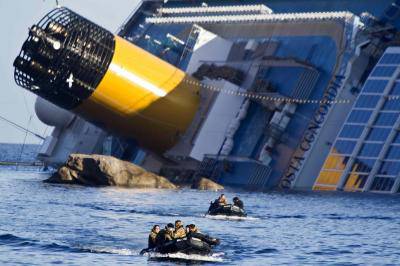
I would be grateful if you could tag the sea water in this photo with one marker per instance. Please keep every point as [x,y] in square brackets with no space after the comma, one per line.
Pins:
[44,224]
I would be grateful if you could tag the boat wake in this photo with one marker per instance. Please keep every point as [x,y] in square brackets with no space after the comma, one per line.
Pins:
[232,218]
[117,251]
[216,257]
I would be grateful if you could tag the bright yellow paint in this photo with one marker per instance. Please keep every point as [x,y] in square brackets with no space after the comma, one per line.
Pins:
[331,172]
[353,181]
[334,162]
[324,188]
[142,97]
[352,184]
[328,177]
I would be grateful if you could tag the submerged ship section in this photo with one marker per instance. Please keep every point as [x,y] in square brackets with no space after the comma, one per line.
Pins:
[262,89]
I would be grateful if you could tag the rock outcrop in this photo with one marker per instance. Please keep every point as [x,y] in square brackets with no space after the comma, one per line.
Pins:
[206,184]
[102,170]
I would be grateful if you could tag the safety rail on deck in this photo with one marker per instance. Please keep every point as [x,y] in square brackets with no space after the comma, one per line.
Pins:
[20,163]
[287,17]
[216,9]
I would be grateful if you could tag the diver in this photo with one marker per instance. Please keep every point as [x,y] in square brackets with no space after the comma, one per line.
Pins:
[194,232]
[153,236]
[192,229]
[179,231]
[238,203]
[187,229]
[165,235]
[221,201]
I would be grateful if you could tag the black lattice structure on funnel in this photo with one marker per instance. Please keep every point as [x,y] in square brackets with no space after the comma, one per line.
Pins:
[64,58]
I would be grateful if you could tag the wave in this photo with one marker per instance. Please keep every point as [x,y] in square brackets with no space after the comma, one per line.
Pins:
[119,210]
[91,249]
[10,239]
[95,250]
[266,251]
[330,252]
[334,216]
[345,234]
[216,257]
[13,240]
[231,218]
[296,216]
[108,250]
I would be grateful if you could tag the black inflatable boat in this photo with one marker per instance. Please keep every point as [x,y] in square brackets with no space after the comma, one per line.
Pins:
[190,245]
[227,210]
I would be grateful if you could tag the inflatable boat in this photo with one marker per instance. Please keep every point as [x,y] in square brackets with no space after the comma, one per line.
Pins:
[201,245]
[228,210]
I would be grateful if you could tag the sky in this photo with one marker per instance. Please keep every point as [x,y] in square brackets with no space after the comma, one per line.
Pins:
[16,16]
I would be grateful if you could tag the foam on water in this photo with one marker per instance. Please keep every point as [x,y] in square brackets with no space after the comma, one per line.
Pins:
[118,251]
[231,218]
[216,257]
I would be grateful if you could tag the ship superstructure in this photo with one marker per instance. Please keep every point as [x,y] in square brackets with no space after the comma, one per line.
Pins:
[365,155]
[275,82]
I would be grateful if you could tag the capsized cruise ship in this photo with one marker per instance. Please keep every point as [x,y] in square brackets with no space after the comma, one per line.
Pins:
[253,94]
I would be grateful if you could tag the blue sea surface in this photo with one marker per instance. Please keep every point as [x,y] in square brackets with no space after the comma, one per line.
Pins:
[11,152]
[44,224]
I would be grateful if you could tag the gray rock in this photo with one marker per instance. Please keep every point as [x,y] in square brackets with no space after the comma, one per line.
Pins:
[206,184]
[102,170]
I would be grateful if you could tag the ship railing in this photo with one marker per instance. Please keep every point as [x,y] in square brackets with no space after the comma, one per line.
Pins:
[216,9]
[232,158]
[190,43]
[287,17]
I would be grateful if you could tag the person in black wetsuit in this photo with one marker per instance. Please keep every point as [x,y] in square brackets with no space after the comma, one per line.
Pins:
[180,231]
[194,232]
[153,236]
[165,235]
[221,200]
[238,203]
